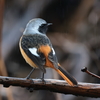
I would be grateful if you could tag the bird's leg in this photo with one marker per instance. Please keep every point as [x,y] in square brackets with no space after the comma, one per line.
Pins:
[28,76]
[42,78]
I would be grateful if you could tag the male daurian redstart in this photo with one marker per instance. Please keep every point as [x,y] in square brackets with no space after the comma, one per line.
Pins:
[37,49]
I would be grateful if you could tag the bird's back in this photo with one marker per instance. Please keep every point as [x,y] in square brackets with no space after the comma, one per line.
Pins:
[30,41]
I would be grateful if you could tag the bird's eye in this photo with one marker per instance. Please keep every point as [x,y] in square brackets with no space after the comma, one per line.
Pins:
[43,25]
[43,28]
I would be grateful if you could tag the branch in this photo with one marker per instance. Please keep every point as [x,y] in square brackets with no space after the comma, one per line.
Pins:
[90,73]
[59,86]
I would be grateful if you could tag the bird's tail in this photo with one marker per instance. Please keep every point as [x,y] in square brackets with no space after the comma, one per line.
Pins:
[70,80]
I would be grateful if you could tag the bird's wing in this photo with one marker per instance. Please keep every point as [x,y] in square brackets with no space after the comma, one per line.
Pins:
[53,58]
[38,59]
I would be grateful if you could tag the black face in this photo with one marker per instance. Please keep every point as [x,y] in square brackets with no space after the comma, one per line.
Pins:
[43,28]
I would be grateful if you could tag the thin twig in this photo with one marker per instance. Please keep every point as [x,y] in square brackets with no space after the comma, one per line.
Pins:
[59,86]
[90,73]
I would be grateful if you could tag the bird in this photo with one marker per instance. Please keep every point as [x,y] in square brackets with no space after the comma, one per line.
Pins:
[37,50]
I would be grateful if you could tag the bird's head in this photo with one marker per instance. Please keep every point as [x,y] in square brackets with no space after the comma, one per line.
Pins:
[36,26]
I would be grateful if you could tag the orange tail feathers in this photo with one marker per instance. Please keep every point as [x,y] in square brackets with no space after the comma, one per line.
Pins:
[70,80]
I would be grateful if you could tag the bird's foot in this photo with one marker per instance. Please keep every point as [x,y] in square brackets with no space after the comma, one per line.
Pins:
[42,79]
[31,89]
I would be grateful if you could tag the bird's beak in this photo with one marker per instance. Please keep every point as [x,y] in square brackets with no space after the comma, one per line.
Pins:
[49,24]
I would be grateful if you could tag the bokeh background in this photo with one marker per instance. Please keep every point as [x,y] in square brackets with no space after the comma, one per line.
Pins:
[75,35]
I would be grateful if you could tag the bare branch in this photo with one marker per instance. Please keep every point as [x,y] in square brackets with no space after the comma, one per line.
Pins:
[59,86]
[90,73]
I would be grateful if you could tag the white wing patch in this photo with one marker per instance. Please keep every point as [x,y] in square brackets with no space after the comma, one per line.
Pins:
[34,51]
[53,51]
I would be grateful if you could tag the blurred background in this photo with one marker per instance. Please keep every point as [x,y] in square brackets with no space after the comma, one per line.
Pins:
[75,35]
